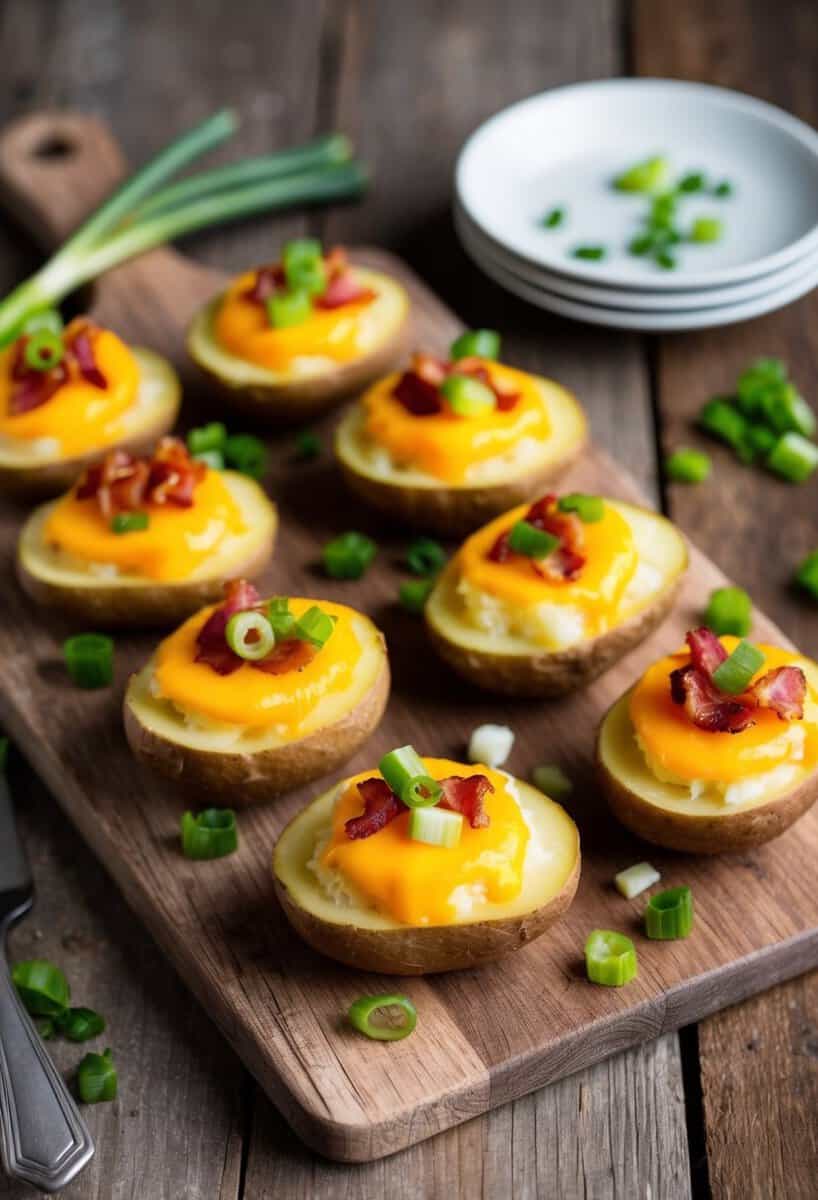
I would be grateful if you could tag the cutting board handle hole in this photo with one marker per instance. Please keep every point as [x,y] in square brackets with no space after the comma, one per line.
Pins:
[54,145]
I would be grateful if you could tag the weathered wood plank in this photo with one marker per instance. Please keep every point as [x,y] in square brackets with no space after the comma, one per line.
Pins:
[759,1065]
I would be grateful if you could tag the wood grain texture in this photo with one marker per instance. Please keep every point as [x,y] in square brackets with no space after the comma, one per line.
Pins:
[278,1003]
[759,1069]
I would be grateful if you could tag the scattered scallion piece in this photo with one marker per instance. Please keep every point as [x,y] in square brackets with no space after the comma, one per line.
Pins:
[807,574]
[421,792]
[246,453]
[589,509]
[414,593]
[610,958]
[723,190]
[89,658]
[383,1018]
[130,522]
[207,438]
[706,229]
[663,212]
[642,243]
[424,556]
[759,440]
[721,420]
[44,350]
[733,675]
[687,466]
[435,826]
[729,610]
[281,619]
[636,879]
[80,1024]
[285,309]
[476,343]
[405,773]
[315,626]
[793,457]
[525,538]
[466,396]
[589,253]
[669,914]
[302,260]
[212,833]
[250,635]
[649,176]
[552,781]
[97,1078]
[349,555]
[692,182]
[666,260]
[553,218]
[42,987]
[490,744]
[307,445]
[45,1027]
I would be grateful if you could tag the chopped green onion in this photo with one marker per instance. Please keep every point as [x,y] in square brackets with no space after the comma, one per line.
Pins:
[399,767]
[207,437]
[349,555]
[425,556]
[414,593]
[46,1027]
[647,176]
[693,182]
[782,408]
[552,781]
[526,539]
[5,745]
[663,212]
[47,318]
[315,626]
[706,229]
[281,619]
[422,792]
[553,218]
[793,458]
[97,1078]
[476,343]
[285,309]
[669,915]
[89,658]
[247,454]
[301,250]
[304,268]
[214,459]
[212,833]
[490,744]
[610,958]
[734,674]
[666,260]
[643,243]
[687,466]
[80,1024]
[723,189]
[589,253]
[722,421]
[42,987]
[250,635]
[130,522]
[636,879]
[468,397]
[759,440]
[589,509]
[44,350]
[729,610]
[383,1018]
[435,826]
[307,445]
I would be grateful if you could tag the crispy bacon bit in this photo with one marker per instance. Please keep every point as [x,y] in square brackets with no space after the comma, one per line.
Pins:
[565,562]
[418,397]
[266,283]
[212,648]
[344,289]
[706,651]
[122,483]
[79,341]
[418,389]
[32,388]
[705,705]
[466,796]
[381,806]
[291,655]
[784,690]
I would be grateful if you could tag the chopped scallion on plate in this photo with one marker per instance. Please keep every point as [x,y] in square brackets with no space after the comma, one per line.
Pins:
[610,958]
[414,593]
[212,833]
[89,659]
[349,555]
[729,610]
[97,1078]
[669,914]
[687,466]
[383,1018]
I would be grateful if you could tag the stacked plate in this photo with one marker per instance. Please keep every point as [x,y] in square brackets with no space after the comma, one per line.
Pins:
[562,149]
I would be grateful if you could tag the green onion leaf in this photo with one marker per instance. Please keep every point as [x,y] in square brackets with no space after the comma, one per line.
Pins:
[553,218]
[729,610]
[669,915]
[281,619]
[424,556]
[285,309]
[250,635]
[212,833]
[307,445]
[589,253]
[89,658]
[525,538]
[97,1078]
[383,1018]
[733,676]
[687,466]
[315,626]
[706,229]
[552,781]
[129,522]
[349,555]
[793,458]
[610,958]
[435,826]
[636,879]
[468,397]
[649,176]
[80,1024]
[589,509]
[476,343]
[247,454]
[42,987]
[413,594]
[44,350]
[207,438]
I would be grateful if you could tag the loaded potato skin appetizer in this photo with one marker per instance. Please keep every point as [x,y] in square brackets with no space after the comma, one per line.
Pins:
[251,698]
[293,338]
[546,597]
[426,865]
[446,445]
[144,541]
[67,397]
[715,749]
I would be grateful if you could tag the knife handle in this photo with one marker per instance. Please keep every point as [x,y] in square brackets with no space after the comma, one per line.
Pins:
[43,1138]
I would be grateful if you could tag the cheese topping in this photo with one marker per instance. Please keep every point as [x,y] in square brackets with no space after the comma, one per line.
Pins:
[176,541]
[79,415]
[679,751]
[418,884]
[445,445]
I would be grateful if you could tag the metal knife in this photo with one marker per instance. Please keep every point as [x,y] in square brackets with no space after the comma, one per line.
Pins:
[43,1138]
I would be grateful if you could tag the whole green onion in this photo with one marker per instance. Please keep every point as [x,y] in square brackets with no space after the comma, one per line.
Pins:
[414,593]
[467,397]
[97,1078]
[669,914]
[383,1018]
[687,466]
[130,522]
[424,556]
[610,958]
[247,454]
[80,1024]
[476,343]
[42,987]
[212,833]
[525,538]
[349,555]
[250,635]
[729,610]
[589,509]
[734,674]
[89,659]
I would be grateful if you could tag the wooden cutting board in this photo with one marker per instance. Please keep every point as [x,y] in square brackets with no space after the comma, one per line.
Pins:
[484,1036]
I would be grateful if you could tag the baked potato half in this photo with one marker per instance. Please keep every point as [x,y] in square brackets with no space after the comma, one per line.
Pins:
[350,930]
[541,649]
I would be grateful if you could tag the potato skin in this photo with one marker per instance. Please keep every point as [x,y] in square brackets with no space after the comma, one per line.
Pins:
[247,779]
[425,950]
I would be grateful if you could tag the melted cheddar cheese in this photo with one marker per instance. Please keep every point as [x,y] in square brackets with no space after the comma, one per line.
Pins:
[611,562]
[419,884]
[241,326]
[79,416]
[678,749]
[249,697]
[176,541]
[445,445]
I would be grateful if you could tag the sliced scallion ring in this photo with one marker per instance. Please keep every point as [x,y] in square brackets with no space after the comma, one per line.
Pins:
[44,350]
[383,1018]
[435,826]
[421,792]
[315,626]
[669,914]
[89,659]
[476,343]
[250,635]
[212,833]
[42,987]
[610,958]
[734,674]
[467,397]
[80,1024]
[280,617]
[399,767]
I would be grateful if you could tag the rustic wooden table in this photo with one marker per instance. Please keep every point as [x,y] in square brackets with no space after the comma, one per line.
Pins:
[728,1107]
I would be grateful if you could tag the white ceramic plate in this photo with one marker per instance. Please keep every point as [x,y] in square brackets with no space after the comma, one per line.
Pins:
[480,247]
[562,148]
